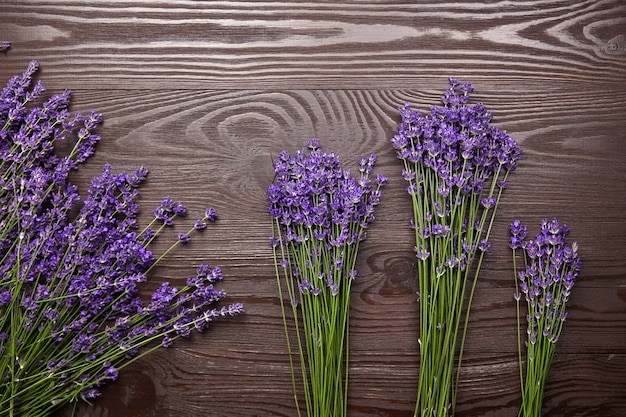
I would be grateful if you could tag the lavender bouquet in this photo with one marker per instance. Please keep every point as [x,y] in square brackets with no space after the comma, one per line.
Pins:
[456,163]
[546,278]
[320,215]
[71,315]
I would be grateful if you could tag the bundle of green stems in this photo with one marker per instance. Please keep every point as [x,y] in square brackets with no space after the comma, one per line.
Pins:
[456,164]
[320,213]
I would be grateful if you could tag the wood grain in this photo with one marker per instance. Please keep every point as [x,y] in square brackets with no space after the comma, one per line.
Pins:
[205,94]
[233,44]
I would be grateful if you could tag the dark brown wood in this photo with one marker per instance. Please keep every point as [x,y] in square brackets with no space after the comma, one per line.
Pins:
[205,94]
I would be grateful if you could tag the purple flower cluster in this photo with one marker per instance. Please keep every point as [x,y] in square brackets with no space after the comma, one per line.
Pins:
[456,163]
[546,281]
[71,314]
[319,205]
[320,214]
[550,268]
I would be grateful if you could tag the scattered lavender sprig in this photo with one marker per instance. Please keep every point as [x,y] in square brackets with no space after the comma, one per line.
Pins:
[320,215]
[71,315]
[545,280]
[456,163]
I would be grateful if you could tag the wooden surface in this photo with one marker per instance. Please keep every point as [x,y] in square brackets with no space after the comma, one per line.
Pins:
[205,94]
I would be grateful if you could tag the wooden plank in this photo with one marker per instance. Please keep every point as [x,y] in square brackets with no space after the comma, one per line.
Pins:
[233,44]
[238,382]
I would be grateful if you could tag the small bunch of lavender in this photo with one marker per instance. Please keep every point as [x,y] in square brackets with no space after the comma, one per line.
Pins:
[320,215]
[546,279]
[71,315]
[456,163]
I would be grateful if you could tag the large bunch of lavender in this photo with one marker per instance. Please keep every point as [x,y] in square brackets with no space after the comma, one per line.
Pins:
[320,215]
[546,278]
[456,163]
[71,315]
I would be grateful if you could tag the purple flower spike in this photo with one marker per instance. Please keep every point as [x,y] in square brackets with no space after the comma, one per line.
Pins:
[210,214]
[200,224]
[313,144]
[169,209]
[519,232]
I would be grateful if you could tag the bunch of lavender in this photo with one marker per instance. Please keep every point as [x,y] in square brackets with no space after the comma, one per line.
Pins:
[546,280]
[71,315]
[320,215]
[456,163]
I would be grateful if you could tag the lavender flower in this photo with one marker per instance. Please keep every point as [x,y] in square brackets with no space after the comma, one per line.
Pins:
[71,315]
[456,164]
[551,267]
[320,213]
